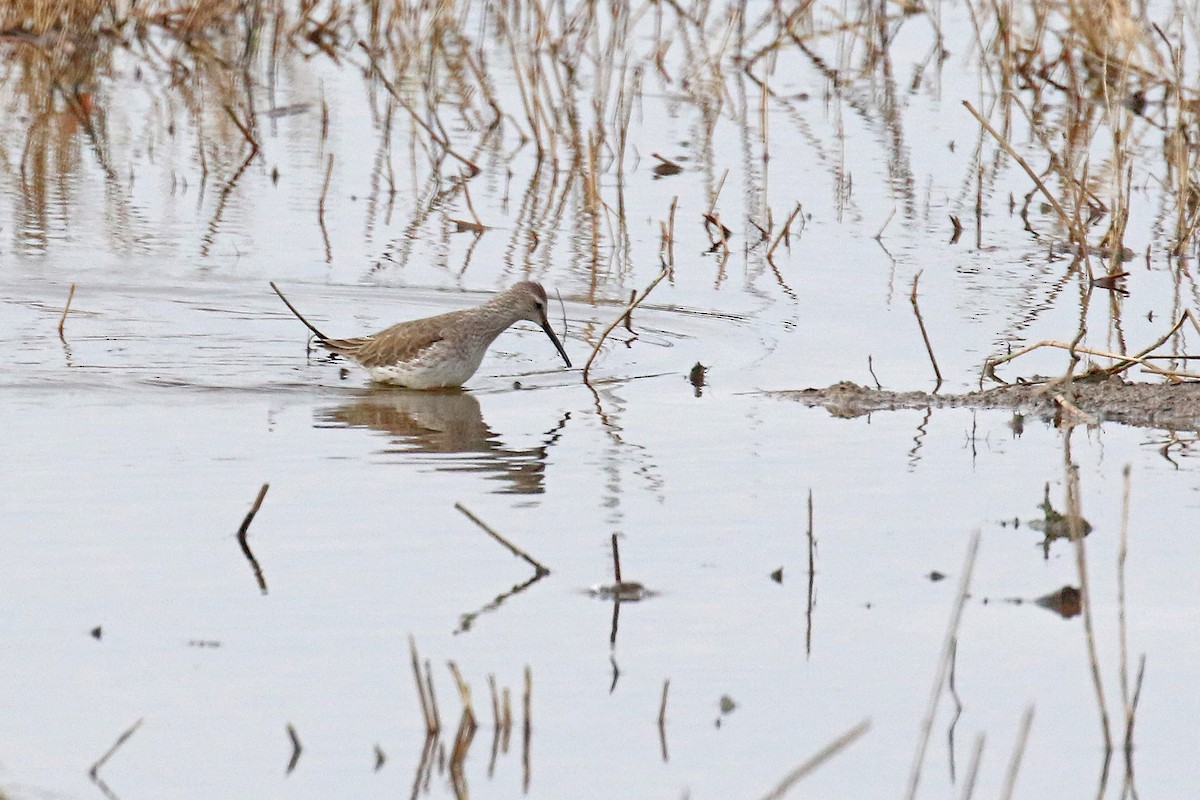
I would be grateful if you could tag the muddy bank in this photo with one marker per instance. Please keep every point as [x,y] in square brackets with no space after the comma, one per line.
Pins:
[1174,406]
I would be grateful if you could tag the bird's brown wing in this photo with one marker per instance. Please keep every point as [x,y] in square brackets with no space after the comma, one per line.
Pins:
[394,345]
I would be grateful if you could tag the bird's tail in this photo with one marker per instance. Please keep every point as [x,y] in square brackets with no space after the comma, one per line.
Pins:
[320,336]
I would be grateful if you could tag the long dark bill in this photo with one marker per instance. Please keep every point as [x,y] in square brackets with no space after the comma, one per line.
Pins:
[545,323]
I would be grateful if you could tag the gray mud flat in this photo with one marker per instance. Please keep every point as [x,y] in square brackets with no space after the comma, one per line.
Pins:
[1173,406]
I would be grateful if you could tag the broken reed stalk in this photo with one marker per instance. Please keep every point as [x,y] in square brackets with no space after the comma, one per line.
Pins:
[464,691]
[512,548]
[1122,553]
[662,706]
[495,702]
[783,233]
[67,307]
[1063,217]
[428,711]
[637,301]
[924,334]
[830,750]
[973,768]
[1076,533]
[943,669]
[433,707]
[712,206]
[1014,763]
[321,208]
[124,737]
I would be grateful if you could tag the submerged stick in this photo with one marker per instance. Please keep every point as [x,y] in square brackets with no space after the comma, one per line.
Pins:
[63,319]
[830,750]
[925,334]
[512,548]
[637,301]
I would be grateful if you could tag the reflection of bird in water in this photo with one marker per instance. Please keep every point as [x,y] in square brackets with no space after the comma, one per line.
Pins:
[443,351]
[443,423]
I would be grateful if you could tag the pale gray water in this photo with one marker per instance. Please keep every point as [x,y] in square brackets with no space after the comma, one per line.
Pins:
[132,452]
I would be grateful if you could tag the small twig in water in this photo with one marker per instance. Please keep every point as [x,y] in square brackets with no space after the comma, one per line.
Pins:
[512,548]
[63,319]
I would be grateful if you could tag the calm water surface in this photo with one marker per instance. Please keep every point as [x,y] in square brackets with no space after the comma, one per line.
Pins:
[134,448]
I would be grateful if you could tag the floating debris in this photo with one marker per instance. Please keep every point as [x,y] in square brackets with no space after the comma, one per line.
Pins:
[696,377]
[1067,602]
[625,591]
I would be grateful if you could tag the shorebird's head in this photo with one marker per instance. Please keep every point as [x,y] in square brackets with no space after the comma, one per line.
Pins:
[530,303]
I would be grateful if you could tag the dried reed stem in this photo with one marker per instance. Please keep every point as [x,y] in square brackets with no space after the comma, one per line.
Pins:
[321,208]
[67,307]
[1014,762]
[827,752]
[943,669]
[432,724]
[628,309]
